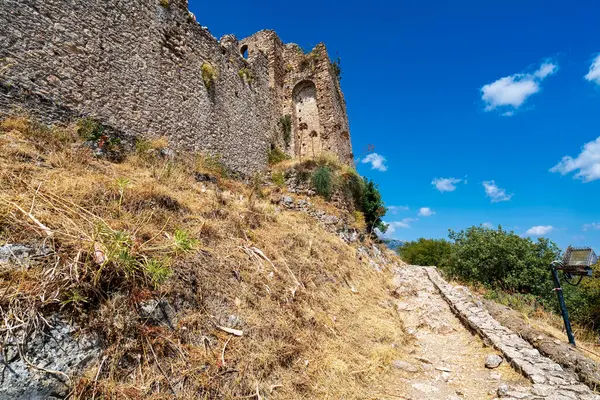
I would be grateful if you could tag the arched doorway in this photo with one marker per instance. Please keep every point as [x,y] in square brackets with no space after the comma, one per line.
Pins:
[306,120]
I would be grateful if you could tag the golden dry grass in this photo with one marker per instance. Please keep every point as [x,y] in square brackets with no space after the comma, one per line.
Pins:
[318,321]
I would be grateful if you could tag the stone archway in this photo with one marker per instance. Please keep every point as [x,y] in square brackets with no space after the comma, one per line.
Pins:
[307,128]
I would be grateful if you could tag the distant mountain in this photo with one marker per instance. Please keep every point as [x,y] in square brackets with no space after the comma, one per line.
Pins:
[393,244]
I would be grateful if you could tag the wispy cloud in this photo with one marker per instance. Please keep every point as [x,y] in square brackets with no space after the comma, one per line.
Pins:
[445,184]
[396,209]
[495,193]
[539,230]
[587,163]
[594,226]
[394,226]
[426,212]
[377,161]
[510,92]
[594,73]
[487,225]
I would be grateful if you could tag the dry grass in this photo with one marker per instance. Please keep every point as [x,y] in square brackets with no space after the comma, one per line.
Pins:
[317,321]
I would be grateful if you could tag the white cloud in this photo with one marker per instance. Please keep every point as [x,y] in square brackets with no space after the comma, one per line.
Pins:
[495,193]
[594,226]
[539,230]
[396,209]
[445,184]
[587,163]
[594,74]
[426,212]
[393,227]
[510,92]
[377,161]
[487,225]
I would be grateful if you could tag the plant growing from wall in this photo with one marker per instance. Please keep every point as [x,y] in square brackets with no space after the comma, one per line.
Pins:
[209,74]
[322,182]
[165,3]
[337,68]
[285,122]
[246,75]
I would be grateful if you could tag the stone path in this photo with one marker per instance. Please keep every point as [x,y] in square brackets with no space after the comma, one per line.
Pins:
[549,379]
[444,360]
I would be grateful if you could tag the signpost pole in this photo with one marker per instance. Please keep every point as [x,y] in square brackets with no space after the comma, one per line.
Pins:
[563,306]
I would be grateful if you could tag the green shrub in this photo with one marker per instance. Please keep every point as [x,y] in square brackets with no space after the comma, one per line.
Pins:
[353,187]
[373,207]
[275,156]
[165,3]
[90,129]
[278,178]
[322,182]
[246,75]
[209,74]
[285,122]
[503,260]
[427,252]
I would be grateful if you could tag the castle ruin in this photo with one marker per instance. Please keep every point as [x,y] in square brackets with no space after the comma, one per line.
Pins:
[146,68]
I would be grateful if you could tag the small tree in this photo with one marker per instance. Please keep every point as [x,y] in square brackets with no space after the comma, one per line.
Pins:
[373,207]
[436,252]
[322,182]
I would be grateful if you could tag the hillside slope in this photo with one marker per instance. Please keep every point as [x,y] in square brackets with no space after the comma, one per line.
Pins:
[158,276]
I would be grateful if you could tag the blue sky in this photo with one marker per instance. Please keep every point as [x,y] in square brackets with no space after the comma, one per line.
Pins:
[492,93]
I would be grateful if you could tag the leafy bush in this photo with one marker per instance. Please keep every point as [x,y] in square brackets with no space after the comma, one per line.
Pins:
[275,156]
[373,207]
[436,252]
[503,260]
[353,187]
[322,182]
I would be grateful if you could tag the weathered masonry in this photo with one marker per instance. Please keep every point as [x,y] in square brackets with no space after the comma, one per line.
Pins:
[146,68]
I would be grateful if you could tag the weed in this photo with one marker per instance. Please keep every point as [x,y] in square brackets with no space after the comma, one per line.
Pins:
[275,156]
[211,164]
[183,242]
[122,183]
[90,129]
[322,182]
[209,74]
[278,178]
[165,3]
[285,123]
[158,270]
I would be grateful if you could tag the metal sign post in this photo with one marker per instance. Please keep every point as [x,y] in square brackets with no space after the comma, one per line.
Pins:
[577,261]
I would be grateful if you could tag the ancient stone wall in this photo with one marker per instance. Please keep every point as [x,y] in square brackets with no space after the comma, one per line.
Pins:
[307,90]
[147,68]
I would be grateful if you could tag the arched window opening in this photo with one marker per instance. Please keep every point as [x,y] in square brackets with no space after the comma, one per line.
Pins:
[244,51]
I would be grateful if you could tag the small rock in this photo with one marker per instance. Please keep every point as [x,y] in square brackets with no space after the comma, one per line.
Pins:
[158,312]
[425,388]
[493,361]
[200,177]
[404,366]
[503,390]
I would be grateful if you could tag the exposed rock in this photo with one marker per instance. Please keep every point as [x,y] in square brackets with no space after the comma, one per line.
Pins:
[404,366]
[19,253]
[158,312]
[59,349]
[493,361]
[200,177]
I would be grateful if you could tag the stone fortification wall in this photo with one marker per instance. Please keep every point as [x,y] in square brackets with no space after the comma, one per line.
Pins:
[136,66]
[308,90]
[147,68]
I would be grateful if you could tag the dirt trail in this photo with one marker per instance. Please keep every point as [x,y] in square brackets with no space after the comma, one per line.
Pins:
[445,360]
